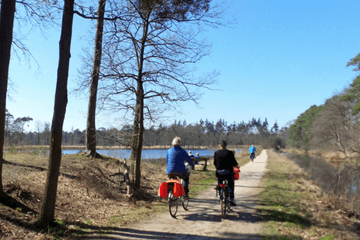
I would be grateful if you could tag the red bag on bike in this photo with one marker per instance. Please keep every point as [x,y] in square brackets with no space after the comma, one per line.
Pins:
[178,189]
[236,171]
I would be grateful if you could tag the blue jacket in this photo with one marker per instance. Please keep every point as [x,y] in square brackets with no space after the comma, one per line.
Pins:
[252,149]
[175,158]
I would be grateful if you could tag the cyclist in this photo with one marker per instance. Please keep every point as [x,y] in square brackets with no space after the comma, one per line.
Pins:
[224,162]
[252,151]
[175,158]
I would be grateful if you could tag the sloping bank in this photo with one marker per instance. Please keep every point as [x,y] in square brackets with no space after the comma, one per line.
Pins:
[293,206]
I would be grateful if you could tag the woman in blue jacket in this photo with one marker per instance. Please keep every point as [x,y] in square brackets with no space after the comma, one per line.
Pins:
[175,158]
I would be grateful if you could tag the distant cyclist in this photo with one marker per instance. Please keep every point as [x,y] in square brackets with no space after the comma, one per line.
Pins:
[252,151]
[224,162]
[175,158]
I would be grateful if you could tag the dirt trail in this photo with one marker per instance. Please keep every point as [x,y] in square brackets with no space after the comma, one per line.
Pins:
[203,220]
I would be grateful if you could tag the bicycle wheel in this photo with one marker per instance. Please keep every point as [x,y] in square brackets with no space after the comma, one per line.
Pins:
[223,203]
[185,203]
[173,206]
[223,208]
[226,200]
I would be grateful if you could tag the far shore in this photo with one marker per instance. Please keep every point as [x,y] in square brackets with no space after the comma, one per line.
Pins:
[83,147]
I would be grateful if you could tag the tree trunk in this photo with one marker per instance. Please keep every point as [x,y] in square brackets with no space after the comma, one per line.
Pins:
[135,141]
[139,114]
[90,128]
[6,33]
[139,141]
[48,204]
[135,135]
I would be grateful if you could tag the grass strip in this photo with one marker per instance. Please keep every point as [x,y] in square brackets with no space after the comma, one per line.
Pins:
[284,203]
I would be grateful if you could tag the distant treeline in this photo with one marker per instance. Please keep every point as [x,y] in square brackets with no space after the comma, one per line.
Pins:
[203,133]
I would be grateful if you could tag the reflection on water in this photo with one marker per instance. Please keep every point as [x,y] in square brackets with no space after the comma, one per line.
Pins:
[145,154]
[125,153]
[341,181]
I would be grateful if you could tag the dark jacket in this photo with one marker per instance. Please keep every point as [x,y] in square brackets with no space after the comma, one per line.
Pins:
[224,160]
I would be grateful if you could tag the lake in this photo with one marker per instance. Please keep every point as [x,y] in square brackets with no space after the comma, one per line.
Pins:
[146,153]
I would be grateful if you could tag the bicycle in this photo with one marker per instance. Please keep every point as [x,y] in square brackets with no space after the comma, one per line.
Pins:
[252,157]
[174,193]
[223,190]
[174,201]
[224,193]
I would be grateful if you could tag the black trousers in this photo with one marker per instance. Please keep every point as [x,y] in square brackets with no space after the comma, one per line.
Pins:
[185,176]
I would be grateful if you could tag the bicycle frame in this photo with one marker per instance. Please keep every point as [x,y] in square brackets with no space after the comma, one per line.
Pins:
[224,198]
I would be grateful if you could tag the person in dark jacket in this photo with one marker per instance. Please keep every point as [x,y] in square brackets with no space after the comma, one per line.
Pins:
[175,158]
[224,162]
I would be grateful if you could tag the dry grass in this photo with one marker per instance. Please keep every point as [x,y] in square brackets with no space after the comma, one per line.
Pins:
[323,153]
[88,197]
[86,192]
[295,207]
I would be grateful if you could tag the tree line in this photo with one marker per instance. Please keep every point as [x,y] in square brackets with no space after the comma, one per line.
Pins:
[333,125]
[202,133]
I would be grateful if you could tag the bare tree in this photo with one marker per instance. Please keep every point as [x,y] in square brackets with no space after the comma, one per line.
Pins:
[39,128]
[8,125]
[147,54]
[46,132]
[48,204]
[6,33]
[90,128]
[19,124]
[35,13]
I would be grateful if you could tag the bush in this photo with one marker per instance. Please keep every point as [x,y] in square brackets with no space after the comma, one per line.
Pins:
[13,149]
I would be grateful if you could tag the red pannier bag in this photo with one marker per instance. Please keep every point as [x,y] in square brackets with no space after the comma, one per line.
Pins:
[236,171]
[178,189]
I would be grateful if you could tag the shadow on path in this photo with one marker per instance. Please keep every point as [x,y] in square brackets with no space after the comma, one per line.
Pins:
[121,233]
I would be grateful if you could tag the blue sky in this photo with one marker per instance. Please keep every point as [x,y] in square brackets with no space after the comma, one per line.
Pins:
[279,59]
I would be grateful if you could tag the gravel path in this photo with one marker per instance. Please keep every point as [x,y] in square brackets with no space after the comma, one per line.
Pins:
[203,220]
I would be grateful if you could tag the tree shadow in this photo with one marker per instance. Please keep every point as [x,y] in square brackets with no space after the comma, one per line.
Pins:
[279,216]
[15,204]
[112,233]
[36,168]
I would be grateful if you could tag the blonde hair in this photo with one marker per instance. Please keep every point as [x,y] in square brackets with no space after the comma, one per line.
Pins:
[176,141]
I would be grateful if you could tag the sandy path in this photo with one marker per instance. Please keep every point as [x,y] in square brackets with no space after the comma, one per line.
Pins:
[203,220]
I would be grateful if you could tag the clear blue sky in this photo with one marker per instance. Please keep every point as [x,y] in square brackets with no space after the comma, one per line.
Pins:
[279,59]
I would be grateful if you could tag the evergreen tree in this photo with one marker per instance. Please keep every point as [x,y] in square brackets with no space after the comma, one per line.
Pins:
[354,94]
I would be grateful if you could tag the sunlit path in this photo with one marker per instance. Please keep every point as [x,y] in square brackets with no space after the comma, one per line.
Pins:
[203,220]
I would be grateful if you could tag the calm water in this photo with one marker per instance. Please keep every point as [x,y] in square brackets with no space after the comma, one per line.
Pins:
[146,153]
